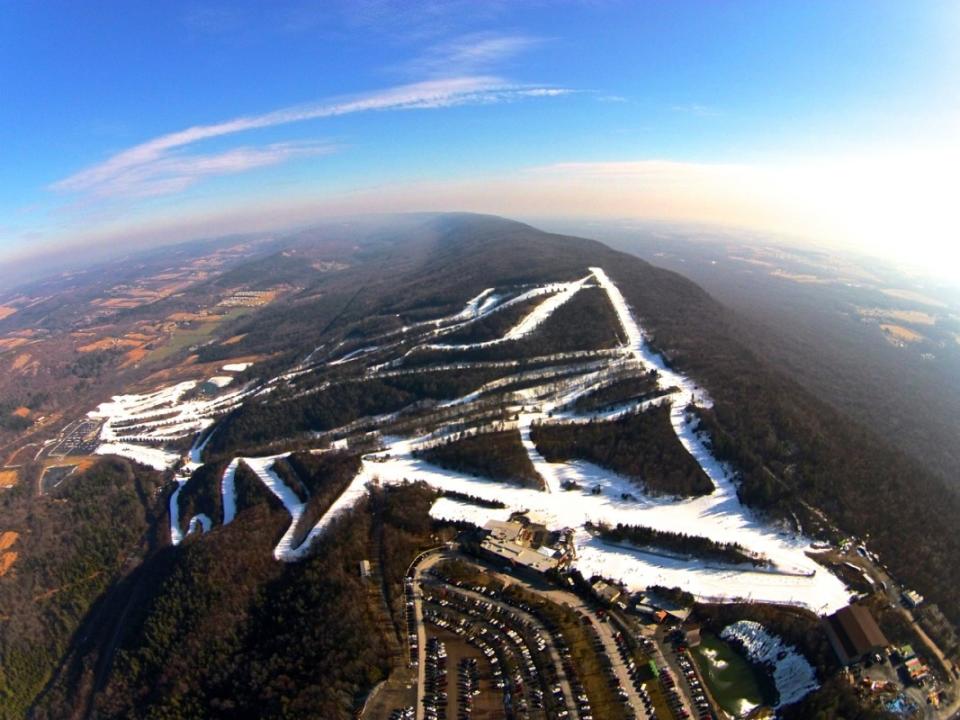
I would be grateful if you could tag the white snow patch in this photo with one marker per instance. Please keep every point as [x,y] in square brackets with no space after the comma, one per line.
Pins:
[236,367]
[154,457]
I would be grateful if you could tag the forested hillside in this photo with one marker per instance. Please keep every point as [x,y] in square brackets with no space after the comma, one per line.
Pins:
[216,627]
[641,446]
[791,447]
[229,632]
[73,545]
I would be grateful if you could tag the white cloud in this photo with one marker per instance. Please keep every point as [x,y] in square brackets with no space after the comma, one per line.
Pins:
[176,172]
[159,165]
[696,109]
[469,54]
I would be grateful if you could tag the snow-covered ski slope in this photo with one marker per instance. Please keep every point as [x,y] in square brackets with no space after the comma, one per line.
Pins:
[529,391]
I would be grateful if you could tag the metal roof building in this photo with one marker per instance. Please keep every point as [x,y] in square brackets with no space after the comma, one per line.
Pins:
[854,633]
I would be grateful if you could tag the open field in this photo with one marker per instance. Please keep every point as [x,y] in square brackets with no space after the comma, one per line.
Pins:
[7,539]
[7,557]
[798,277]
[10,343]
[914,296]
[6,312]
[183,338]
[899,333]
[7,560]
[8,478]
[910,317]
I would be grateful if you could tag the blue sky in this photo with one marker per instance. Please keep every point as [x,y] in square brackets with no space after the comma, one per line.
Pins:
[147,122]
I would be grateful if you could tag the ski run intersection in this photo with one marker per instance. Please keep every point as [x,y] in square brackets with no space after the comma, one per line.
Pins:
[137,426]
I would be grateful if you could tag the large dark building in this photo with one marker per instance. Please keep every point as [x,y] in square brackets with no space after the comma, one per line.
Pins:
[854,634]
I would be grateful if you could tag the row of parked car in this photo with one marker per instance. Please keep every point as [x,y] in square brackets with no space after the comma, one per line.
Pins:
[413,643]
[494,656]
[512,646]
[697,693]
[640,677]
[468,686]
[435,678]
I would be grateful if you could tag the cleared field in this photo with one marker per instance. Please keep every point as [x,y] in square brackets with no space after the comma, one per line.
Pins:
[107,344]
[8,478]
[914,297]
[900,333]
[6,311]
[7,560]
[12,342]
[7,539]
[184,338]
[911,317]
[21,361]
[798,277]
[134,356]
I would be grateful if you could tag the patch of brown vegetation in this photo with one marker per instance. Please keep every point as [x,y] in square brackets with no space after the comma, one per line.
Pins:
[798,277]
[898,333]
[119,303]
[234,340]
[83,462]
[11,343]
[187,317]
[21,361]
[7,560]
[7,539]
[913,296]
[22,411]
[133,357]
[6,311]
[911,317]
[107,344]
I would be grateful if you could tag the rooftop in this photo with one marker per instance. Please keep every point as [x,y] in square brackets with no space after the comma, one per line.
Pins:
[853,633]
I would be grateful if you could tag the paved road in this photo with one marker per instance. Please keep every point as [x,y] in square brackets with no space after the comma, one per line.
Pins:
[429,559]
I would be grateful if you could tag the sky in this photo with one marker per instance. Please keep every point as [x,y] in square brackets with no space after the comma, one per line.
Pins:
[826,123]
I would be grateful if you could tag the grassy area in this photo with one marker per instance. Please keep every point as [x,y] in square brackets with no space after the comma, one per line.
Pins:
[196,334]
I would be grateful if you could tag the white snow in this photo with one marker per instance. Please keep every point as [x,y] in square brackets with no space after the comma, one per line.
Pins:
[139,423]
[154,457]
[228,493]
[792,674]
[162,415]
[221,381]
[236,367]
[559,294]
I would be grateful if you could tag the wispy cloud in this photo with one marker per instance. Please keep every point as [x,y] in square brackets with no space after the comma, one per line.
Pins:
[696,109]
[176,172]
[469,54]
[163,165]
